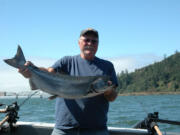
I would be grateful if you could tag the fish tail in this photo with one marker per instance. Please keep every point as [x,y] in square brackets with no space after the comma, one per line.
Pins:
[18,60]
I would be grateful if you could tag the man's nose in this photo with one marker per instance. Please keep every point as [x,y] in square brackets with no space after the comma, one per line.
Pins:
[90,42]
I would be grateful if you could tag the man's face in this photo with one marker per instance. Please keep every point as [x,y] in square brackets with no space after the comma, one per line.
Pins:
[88,45]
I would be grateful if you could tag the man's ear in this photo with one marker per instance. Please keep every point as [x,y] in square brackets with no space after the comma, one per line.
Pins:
[78,41]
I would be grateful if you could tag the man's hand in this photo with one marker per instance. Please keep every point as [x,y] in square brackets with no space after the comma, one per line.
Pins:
[27,74]
[24,71]
[110,94]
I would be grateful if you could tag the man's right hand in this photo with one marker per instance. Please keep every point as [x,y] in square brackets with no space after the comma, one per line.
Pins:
[24,71]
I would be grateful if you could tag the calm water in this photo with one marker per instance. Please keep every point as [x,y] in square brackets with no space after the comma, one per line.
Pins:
[126,111]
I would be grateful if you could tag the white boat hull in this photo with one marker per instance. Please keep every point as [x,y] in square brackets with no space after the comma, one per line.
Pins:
[34,128]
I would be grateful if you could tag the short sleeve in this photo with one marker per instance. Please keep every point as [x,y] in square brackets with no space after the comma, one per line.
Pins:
[61,65]
[113,75]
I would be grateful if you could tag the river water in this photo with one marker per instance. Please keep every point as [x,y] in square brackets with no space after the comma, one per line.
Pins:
[125,111]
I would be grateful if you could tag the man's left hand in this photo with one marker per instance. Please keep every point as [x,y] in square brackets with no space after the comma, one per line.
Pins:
[110,94]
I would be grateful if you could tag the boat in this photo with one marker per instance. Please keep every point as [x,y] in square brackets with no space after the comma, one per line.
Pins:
[148,126]
[36,128]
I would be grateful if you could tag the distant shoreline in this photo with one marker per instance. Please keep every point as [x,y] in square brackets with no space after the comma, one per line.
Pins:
[119,94]
[148,93]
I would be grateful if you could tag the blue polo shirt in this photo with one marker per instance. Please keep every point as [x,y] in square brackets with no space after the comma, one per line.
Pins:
[86,112]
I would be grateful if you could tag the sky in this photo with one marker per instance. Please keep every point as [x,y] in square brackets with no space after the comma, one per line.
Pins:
[132,33]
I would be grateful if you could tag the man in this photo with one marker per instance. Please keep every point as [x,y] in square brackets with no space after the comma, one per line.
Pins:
[86,116]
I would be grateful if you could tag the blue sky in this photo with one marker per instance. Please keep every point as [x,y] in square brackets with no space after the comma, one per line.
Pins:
[133,33]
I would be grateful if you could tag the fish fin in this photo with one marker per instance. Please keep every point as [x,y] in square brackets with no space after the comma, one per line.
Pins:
[18,60]
[32,85]
[52,97]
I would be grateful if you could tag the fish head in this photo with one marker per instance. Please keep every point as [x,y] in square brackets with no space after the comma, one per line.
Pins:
[100,85]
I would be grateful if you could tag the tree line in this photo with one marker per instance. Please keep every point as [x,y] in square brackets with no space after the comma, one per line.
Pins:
[157,77]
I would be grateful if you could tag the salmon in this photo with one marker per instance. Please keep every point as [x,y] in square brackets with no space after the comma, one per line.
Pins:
[65,86]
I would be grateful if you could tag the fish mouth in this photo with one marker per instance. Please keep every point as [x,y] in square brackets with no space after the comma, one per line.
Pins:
[92,90]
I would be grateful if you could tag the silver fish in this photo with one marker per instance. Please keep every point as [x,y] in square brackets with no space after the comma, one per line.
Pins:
[65,86]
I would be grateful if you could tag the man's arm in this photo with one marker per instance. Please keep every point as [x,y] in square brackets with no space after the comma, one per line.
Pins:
[27,74]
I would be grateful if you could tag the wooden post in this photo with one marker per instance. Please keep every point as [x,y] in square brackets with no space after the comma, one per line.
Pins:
[157,130]
[4,120]
[3,110]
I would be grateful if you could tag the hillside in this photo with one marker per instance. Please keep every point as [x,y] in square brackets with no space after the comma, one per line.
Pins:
[158,77]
